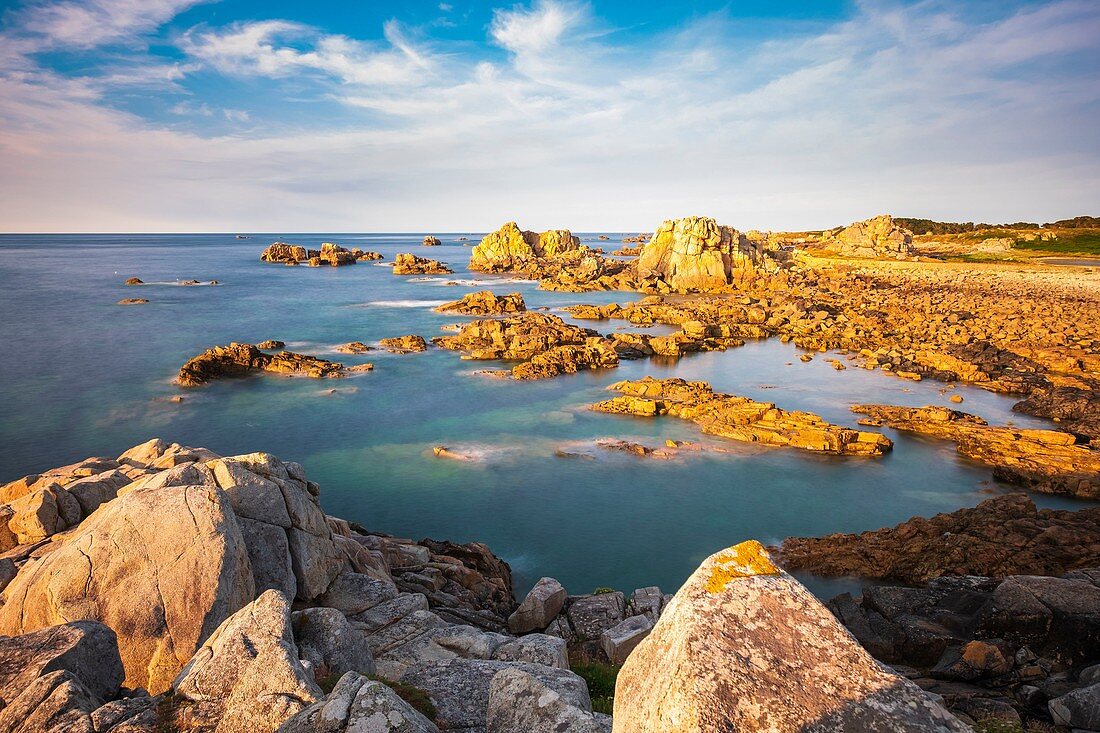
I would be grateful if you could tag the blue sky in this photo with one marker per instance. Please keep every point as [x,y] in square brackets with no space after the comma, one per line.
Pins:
[176,115]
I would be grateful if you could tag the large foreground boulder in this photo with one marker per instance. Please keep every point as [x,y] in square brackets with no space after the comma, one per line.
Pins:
[744,647]
[163,567]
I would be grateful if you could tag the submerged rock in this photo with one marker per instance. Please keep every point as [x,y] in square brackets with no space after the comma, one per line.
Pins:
[132,301]
[744,647]
[740,418]
[1049,461]
[485,303]
[239,360]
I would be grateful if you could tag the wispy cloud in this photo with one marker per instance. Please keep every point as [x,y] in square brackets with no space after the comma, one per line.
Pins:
[90,23]
[919,109]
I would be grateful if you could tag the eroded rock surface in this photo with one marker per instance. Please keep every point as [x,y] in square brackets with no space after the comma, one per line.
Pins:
[739,418]
[406,263]
[239,360]
[696,254]
[509,247]
[485,303]
[873,238]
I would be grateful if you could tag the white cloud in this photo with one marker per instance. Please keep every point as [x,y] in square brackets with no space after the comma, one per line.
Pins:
[263,48]
[93,22]
[913,109]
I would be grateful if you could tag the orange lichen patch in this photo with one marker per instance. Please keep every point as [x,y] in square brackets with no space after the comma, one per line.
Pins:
[745,560]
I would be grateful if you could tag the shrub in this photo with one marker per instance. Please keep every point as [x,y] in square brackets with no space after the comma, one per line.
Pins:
[600,679]
[411,694]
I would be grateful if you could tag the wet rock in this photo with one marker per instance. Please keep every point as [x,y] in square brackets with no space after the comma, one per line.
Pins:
[743,646]
[485,303]
[739,418]
[1002,536]
[539,607]
[239,360]
[133,301]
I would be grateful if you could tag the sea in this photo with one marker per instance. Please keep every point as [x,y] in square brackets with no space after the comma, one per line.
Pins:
[83,376]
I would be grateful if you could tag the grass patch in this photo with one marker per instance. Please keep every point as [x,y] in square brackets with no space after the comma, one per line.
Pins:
[602,590]
[992,725]
[600,679]
[1084,243]
[411,694]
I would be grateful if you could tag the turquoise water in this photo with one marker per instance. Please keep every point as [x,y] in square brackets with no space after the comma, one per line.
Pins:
[83,376]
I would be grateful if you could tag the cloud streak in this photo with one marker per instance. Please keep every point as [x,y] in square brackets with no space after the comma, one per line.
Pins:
[910,108]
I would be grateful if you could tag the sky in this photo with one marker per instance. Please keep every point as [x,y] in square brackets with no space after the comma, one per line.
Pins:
[613,115]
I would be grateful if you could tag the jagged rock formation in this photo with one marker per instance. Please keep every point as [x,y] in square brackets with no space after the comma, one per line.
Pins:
[509,248]
[240,360]
[739,418]
[485,303]
[695,254]
[1077,410]
[1049,461]
[744,647]
[329,254]
[430,241]
[546,344]
[874,238]
[1002,536]
[409,264]
[404,344]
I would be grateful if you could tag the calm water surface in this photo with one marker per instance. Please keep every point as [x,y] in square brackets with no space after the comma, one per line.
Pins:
[83,376]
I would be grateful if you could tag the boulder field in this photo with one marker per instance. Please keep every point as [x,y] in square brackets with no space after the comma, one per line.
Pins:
[210,593]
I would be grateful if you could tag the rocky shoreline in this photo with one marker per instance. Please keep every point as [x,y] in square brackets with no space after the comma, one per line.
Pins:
[245,607]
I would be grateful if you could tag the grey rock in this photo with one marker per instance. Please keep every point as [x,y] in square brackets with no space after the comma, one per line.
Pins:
[459,688]
[521,703]
[591,615]
[1077,709]
[618,641]
[327,640]
[57,701]
[389,612]
[269,556]
[128,715]
[549,651]
[251,495]
[315,558]
[359,705]
[539,607]
[648,601]
[88,650]
[353,593]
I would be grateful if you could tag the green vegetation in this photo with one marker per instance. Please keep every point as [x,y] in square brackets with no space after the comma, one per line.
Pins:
[993,725]
[328,682]
[411,694]
[601,590]
[1086,242]
[600,679]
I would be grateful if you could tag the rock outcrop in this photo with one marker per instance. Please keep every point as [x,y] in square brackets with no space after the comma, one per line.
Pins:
[1002,536]
[1017,651]
[240,360]
[695,254]
[430,241]
[744,647]
[739,418]
[874,238]
[1076,410]
[485,303]
[408,344]
[546,344]
[284,253]
[1048,461]
[510,248]
[406,263]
